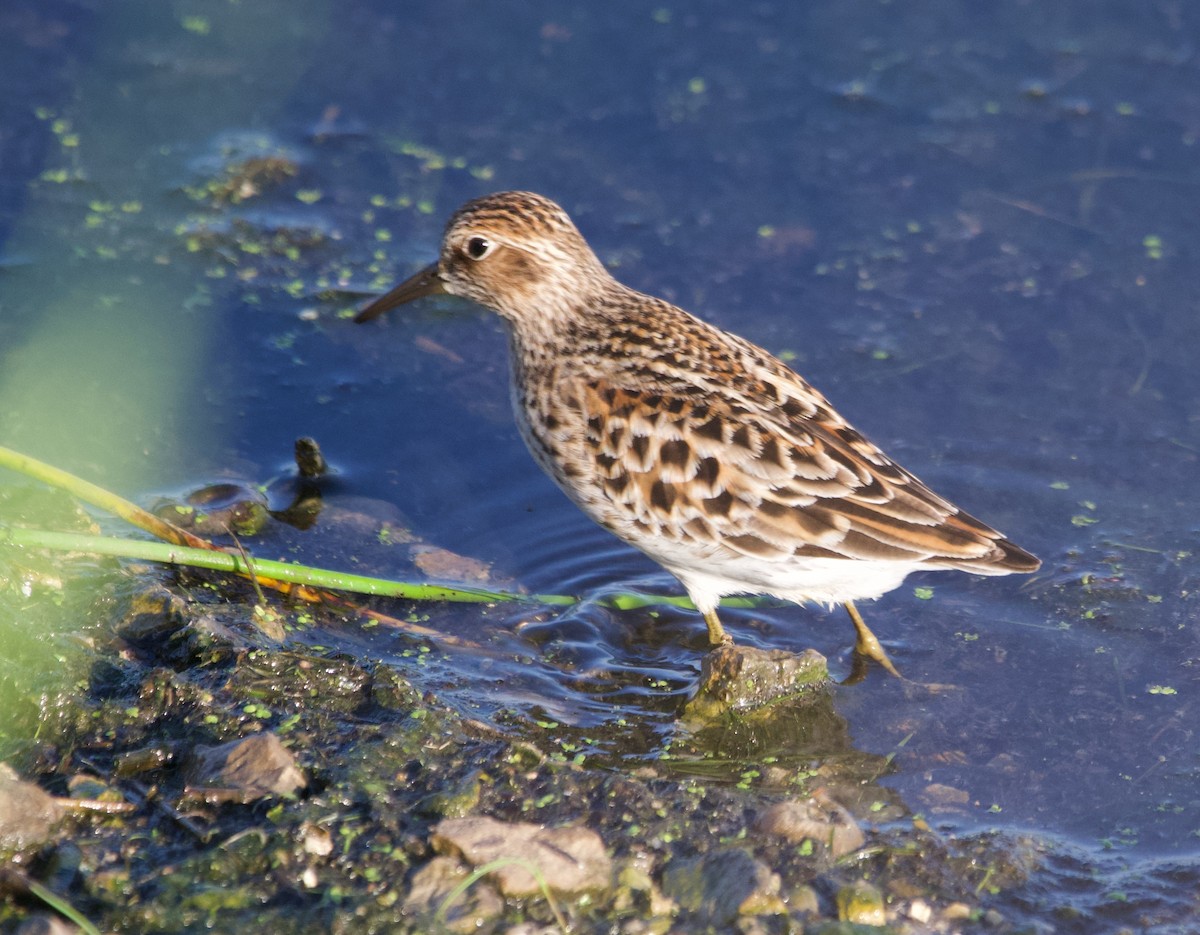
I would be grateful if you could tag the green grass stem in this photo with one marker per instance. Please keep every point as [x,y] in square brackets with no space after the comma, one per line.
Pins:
[182,548]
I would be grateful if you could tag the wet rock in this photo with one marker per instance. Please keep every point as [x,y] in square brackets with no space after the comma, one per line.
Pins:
[456,801]
[804,899]
[939,798]
[433,884]
[818,819]
[153,615]
[27,814]
[862,903]
[636,891]
[257,766]
[143,760]
[316,840]
[742,678]
[46,924]
[957,912]
[723,885]
[920,911]
[566,859]
[366,521]
[91,792]
[444,565]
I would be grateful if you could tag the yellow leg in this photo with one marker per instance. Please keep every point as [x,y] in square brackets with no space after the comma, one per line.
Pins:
[868,644]
[716,632]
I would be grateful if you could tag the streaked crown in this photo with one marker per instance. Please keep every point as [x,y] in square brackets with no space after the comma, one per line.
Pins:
[520,255]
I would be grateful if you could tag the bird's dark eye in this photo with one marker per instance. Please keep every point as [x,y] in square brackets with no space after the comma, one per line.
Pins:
[478,247]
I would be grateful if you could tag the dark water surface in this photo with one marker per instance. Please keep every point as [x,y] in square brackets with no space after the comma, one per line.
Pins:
[976,231]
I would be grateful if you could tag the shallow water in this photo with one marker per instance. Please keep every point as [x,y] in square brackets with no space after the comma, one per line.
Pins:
[975,232]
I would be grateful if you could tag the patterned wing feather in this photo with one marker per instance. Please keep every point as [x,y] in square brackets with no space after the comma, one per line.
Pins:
[791,482]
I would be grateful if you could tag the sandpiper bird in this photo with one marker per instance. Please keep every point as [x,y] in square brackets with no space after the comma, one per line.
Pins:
[695,446]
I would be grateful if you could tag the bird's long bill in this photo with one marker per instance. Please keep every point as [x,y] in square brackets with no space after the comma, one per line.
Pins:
[426,282]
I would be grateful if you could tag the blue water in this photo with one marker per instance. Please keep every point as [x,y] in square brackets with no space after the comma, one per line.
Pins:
[974,230]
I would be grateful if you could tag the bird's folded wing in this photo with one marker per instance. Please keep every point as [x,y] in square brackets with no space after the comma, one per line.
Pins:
[792,481]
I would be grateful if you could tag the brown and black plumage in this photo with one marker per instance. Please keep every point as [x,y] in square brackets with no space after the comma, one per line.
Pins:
[697,447]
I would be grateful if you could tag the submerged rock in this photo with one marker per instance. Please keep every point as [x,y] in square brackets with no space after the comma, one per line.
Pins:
[27,814]
[818,819]
[432,897]
[723,885]
[456,800]
[566,860]
[861,902]
[258,765]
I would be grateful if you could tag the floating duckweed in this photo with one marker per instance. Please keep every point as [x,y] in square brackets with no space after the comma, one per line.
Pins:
[196,24]
[430,158]
[853,90]
[309,195]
